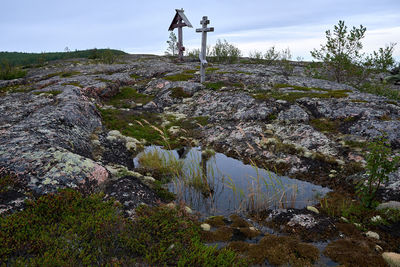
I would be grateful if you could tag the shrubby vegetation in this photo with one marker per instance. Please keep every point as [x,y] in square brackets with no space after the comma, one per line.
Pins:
[342,57]
[379,165]
[9,72]
[24,59]
[69,229]
[224,52]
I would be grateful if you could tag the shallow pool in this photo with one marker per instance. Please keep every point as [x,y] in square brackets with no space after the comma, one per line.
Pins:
[232,186]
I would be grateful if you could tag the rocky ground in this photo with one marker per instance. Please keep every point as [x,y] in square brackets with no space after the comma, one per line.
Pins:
[53,130]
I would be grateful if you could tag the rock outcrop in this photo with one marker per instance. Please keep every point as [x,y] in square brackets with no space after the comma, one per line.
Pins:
[52,134]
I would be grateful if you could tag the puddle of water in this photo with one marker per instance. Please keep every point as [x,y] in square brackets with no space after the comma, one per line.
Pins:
[236,187]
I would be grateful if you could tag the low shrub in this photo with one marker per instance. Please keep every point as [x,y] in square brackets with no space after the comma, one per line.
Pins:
[9,72]
[67,229]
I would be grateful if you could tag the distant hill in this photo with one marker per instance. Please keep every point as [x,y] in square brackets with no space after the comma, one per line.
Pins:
[21,59]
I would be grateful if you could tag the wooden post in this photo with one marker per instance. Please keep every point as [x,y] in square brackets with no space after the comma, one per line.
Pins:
[181,48]
[203,53]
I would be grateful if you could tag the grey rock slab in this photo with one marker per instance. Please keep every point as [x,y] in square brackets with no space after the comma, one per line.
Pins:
[389,205]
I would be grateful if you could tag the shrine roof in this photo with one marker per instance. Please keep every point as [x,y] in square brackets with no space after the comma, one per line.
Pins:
[179,15]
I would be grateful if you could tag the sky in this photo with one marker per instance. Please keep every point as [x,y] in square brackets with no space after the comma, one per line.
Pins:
[142,26]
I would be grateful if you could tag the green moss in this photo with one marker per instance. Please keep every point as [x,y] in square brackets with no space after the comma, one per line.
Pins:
[238,221]
[202,120]
[190,71]
[15,89]
[7,181]
[73,83]
[211,70]
[216,221]
[62,74]
[272,117]
[244,72]
[127,94]
[215,85]
[278,250]
[325,125]
[179,77]
[53,92]
[135,76]
[223,233]
[293,96]
[358,101]
[351,252]
[178,92]
[67,229]
[391,102]
[132,124]
[385,117]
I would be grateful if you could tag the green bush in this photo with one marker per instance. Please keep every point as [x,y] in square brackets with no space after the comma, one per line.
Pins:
[379,165]
[9,72]
[271,56]
[225,52]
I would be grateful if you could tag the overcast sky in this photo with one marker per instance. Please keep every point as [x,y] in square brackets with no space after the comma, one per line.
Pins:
[142,26]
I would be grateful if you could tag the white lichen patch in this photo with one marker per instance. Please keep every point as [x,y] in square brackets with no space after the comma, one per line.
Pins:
[304,220]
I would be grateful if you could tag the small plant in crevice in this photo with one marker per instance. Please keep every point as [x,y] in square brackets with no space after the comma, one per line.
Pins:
[380,163]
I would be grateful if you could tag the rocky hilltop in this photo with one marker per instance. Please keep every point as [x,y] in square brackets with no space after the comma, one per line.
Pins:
[79,124]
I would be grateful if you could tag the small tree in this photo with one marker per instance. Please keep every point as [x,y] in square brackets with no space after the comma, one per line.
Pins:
[341,51]
[271,56]
[383,59]
[379,165]
[172,45]
[225,52]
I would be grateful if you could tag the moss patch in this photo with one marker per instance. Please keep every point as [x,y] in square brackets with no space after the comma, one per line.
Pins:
[133,124]
[216,221]
[62,74]
[358,101]
[238,221]
[126,95]
[178,92]
[325,125]
[244,72]
[352,252]
[293,96]
[179,77]
[15,89]
[77,84]
[218,85]
[223,233]
[135,76]
[278,250]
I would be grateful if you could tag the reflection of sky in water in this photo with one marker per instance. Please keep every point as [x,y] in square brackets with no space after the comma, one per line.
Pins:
[223,170]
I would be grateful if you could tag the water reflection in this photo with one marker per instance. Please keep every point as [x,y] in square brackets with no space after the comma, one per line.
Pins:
[215,184]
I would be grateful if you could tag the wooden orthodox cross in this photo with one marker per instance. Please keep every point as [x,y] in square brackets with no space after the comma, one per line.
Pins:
[203,53]
[179,21]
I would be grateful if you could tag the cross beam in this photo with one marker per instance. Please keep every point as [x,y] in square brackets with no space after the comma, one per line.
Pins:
[203,62]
